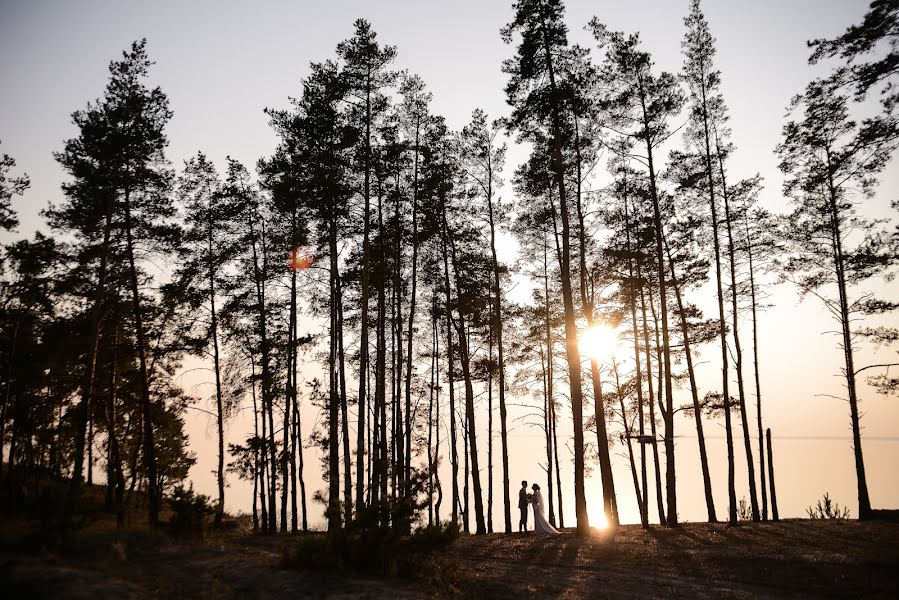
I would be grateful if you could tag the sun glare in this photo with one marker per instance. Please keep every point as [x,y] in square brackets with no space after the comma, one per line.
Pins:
[599,342]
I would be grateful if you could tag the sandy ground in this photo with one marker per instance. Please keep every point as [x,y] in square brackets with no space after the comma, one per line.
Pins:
[794,558]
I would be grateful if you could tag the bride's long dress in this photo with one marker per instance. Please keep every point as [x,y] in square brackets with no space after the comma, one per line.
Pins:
[541,525]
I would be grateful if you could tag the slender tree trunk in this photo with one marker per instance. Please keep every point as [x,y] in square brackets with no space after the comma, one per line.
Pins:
[334,402]
[87,387]
[755,364]
[149,444]
[744,415]
[697,411]
[725,393]
[490,428]
[571,344]
[602,441]
[550,366]
[497,301]
[344,412]
[774,514]
[451,376]
[363,304]
[431,466]
[291,400]
[257,471]
[262,457]
[220,507]
[407,465]
[436,462]
[464,360]
[644,498]
[668,406]
[864,501]
[652,410]
[547,430]
[260,274]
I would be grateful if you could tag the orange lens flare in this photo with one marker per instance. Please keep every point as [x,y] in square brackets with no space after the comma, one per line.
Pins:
[299,259]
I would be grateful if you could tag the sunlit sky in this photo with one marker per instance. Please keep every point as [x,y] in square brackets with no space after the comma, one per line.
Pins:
[222,63]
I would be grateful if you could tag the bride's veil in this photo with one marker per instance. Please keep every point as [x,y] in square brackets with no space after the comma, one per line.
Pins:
[540,505]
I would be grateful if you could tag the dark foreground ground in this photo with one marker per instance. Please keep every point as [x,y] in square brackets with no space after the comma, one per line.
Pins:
[795,558]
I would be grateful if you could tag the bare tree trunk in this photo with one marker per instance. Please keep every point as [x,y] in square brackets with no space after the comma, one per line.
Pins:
[257,471]
[744,415]
[490,429]
[363,305]
[547,430]
[220,506]
[644,497]
[771,478]
[864,501]
[602,441]
[87,387]
[652,410]
[407,465]
[454,459]
[497,300]
[464,359]
[571,344]
[149,444]
[334,516]
[344,413]
[755,363]
[697,411]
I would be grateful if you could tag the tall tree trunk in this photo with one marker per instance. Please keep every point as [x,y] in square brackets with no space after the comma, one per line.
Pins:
[644,498]
[725,393]
[550,358]
[260,274]
[363,305]
[464,360]
[407,465]
[497,301]
[694,392]
[149,446]
[257,466]
[667,407]
[755,364]
[652,410]
[291,396]
[454,459]
[864,501]
[334,516]
[744,415]
[571,344]
[87,387]
[344,412]
[547,430]
[220,506]
[774,514]
[602,441]
[490,428]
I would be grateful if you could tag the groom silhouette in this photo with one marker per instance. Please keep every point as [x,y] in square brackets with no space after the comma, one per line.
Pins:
[523,504]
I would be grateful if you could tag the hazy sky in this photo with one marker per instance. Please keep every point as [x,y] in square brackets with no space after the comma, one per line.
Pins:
[221,63]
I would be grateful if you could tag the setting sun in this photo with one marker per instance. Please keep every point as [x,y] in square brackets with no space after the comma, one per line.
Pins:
[599,342]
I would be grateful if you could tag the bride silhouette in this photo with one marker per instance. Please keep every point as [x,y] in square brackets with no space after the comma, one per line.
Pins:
[541,525]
